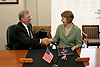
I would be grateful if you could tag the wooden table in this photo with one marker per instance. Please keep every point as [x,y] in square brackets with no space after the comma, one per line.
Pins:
[10,58]
[93,53]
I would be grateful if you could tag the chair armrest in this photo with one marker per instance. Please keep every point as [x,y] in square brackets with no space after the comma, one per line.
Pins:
[84,34]
[50,35]
[7,47]
[33,32]
[82,37]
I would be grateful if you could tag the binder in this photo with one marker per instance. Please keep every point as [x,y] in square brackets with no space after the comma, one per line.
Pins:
[68,51]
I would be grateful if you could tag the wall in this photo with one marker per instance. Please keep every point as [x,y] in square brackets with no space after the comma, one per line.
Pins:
[8,16]
[44,12]
[40,11]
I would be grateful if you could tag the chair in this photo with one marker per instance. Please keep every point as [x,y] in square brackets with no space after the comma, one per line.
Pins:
[10,37]
[90,35]
[46,28]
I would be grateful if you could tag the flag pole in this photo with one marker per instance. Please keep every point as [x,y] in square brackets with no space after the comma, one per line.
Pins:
[47,47]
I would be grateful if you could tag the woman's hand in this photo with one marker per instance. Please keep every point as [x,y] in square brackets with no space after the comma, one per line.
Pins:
[74,47]
[50,40]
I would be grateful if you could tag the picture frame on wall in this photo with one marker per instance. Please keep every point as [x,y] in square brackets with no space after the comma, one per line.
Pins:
[9,2]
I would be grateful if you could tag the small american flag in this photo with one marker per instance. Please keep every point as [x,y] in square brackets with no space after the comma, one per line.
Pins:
[48,56]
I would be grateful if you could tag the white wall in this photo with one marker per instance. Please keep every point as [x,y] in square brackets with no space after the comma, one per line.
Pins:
[40,11]
[44,12]
[8,16]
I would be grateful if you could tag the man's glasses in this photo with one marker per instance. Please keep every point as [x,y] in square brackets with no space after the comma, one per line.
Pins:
[29,17]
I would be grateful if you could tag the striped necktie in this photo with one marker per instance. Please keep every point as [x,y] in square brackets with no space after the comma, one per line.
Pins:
[30,33]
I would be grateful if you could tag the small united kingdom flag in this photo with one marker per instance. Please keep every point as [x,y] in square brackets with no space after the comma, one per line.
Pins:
[63,54]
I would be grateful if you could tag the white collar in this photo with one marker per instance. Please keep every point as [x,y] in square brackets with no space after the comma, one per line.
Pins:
[24,25]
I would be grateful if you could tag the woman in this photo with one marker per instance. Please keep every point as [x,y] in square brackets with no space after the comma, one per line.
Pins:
[67,33]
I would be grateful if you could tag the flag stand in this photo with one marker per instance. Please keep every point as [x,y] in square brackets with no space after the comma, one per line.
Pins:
[54,65]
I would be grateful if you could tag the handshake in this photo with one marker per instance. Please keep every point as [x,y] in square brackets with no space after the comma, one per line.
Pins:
[46,41]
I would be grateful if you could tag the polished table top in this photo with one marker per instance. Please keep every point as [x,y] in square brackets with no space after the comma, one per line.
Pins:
[10,58]
[93,53]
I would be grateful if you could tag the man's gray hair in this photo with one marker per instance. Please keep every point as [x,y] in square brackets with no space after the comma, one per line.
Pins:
[22,13]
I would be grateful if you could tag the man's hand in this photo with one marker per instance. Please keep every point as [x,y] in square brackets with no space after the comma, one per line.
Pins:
[45,41]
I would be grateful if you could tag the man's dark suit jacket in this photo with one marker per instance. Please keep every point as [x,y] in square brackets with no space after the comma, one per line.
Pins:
[22,40]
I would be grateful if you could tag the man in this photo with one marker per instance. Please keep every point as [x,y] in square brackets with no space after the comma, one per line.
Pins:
[24,38]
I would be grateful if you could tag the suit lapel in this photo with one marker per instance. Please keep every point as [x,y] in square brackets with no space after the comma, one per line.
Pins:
[63,30]
[23,27]
[71,31]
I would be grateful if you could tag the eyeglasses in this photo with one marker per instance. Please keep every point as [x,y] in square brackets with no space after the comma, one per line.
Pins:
[29,17]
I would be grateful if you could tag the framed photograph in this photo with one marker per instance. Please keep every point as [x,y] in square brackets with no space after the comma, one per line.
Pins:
[9,1]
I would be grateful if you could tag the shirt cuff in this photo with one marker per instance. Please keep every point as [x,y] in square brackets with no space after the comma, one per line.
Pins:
[40,41]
